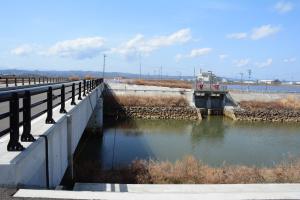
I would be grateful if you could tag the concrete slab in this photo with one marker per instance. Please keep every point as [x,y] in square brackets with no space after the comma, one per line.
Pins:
[151,192]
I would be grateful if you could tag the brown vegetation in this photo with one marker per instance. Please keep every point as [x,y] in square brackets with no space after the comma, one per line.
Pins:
[151,101]
[89,77]
[163,83]
[74,78]
[287,103]
[189,171]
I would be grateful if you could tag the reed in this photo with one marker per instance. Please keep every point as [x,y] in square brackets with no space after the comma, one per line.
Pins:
[290,102]
[163,83]
[152,101]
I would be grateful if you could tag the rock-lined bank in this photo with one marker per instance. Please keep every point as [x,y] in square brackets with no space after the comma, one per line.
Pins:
[131,112]
[268,114]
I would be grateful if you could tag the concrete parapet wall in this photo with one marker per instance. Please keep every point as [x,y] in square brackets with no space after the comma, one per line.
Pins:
[28,168]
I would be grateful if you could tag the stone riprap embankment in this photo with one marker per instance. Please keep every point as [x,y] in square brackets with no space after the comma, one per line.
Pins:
[182,113]
[268,114]
[257,106]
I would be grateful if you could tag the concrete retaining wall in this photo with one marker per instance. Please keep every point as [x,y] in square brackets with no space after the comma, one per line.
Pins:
[28,168]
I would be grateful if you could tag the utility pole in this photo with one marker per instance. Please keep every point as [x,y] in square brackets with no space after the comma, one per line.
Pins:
[104,56]
[160,72]
[249,78]
[194,73]
[210,79]
[242,74]
[179,73]
[140,67]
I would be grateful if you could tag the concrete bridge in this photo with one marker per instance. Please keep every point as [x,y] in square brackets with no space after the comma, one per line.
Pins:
[50,120]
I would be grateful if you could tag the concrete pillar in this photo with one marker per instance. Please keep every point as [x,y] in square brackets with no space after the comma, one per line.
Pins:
[208,105]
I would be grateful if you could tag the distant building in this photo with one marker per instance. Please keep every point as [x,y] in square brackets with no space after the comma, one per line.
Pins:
[207,77]
[270,82]
[266,81]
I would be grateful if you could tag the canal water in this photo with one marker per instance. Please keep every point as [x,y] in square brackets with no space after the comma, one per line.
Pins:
[215,140]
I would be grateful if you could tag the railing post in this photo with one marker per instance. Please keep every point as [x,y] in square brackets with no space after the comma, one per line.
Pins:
[47,80]
[49,119]
[13,144]
[34,80]
[90,84]
[26,136]
[43,79]
[29,81]
[73,95]
[62,99]
[84,87]
[16,82]
[6,81]
[39,80]
[79,91]
[22,81]
[87,86]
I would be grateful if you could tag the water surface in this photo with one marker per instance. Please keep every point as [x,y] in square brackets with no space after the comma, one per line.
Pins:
[214,141]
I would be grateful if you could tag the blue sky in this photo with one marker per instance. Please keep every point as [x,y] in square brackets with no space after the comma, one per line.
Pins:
[227,37]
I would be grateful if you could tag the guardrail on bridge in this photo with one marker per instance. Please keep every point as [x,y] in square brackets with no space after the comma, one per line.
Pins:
[80,88]
[20,81]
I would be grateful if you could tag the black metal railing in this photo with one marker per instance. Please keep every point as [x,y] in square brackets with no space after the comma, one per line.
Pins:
[56,95]
[11,81]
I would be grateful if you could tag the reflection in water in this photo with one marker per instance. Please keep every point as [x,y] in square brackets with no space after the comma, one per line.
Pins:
[214,140]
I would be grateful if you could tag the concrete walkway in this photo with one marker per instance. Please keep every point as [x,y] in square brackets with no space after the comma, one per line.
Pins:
[174,192]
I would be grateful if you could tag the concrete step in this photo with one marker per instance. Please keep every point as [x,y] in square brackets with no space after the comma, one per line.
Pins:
[167,191]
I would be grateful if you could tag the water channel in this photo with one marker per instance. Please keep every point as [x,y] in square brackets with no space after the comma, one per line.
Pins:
[214,140]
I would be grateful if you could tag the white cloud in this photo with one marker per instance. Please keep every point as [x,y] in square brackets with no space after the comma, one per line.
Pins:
[256,33]
[241,62]
[199,52]
[79,48]
[140,45]
[266,63]
[22,50]
[194,53]
[237,36]
[289,60]
[223,56]
[283,7]
[264,31]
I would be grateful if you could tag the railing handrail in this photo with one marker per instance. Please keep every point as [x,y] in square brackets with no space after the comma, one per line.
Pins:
[13,97]
[35,90]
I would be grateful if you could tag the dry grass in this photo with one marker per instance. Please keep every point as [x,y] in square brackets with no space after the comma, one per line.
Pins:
[287,103]
[191,170]
[89,77]
[151,101]
[163,83]
[74,78]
